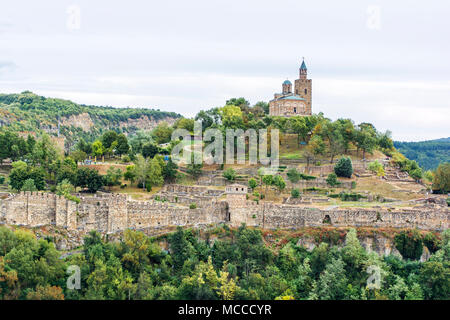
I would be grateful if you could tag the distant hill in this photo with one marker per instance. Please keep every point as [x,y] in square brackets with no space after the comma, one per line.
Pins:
[427,153]
[27,111]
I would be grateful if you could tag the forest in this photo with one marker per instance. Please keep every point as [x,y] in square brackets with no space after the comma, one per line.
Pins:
[237,264]
[429,154]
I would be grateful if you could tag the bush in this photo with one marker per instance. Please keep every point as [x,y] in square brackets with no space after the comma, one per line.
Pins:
[295,193]
[2,179]
[229,174]
[332,180]
[448,201]
[193,206]
[28,185]
[431,242]
[409,244]
[344,167]
[353,184]
[376,168]
[292,175]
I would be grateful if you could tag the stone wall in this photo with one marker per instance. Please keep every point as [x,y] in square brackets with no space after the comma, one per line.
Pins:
[105,213]
[114,213]
[270,215]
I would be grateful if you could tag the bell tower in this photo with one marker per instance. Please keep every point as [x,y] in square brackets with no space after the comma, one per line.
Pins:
[303,87]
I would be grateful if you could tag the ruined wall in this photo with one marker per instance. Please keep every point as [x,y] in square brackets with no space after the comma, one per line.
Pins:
[269,215]
[113,213]
[104,213]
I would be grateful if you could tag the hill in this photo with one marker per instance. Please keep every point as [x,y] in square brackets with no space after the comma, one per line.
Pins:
[29,112]
[427,153]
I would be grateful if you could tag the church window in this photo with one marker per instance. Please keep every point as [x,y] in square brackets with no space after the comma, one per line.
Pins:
[306,91]
[295,110]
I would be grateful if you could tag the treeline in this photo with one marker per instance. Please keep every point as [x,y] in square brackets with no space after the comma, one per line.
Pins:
[238,265]
[32,112]
[429,154]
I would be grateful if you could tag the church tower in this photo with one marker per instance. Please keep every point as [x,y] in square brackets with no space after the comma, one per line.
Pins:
[287,87]
[303,87]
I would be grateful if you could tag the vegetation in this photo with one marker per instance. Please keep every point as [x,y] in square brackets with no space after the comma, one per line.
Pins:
[344,167]
[429,154]
[237,266]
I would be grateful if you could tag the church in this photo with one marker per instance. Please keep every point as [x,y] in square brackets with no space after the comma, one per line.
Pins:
[297,103]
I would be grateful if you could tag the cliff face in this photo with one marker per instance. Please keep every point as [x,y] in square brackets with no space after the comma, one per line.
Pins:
[82,120]
[86,123]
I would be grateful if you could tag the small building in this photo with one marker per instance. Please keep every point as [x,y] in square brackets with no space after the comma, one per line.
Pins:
[236,188]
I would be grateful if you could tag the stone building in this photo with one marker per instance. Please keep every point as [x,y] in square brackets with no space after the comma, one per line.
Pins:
[297,103]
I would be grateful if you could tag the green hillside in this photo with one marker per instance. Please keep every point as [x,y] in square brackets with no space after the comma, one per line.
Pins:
[427,153]
[29,112]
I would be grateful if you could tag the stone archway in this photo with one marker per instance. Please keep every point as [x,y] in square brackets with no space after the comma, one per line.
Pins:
[327,219]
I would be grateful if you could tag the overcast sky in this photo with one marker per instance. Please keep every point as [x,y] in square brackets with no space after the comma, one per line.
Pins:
[385,62]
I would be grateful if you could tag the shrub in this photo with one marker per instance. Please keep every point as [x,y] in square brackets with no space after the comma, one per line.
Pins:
[28,185]
[295,193]
[332,180]
[376,168]
[448,201]
[2,179]
[148,187]
[193,206]
[344,167]
[353,184]
[409,244]
[229,174]
[292,175]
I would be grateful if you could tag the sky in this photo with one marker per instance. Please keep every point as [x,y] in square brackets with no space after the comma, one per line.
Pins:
[384,62]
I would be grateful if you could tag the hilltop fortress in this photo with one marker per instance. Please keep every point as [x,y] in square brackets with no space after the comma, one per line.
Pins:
[111,213]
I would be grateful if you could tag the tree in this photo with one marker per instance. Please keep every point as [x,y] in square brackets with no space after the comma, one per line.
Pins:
[28,185]
[416,174]
[229,174]
[366,138]
[231,116]
[141,168]
[78,155]
[162,133]
[441,178]
[279,182]
[344,168]
[97,148]
[21,172]
[122,144]
[65,188]
[150,150]
[295,193]
[113,176]
[130,173]
[108,138]
[206,119]
[193,168]
[90,179]
[170,171]
[155,177]
[268,181]
[315,147]
[184,123]
[252,183]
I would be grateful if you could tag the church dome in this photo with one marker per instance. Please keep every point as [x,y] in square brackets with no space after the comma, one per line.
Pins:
[287,82]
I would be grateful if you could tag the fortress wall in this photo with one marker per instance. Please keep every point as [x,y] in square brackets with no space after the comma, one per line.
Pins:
[290,216]
[114,213]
